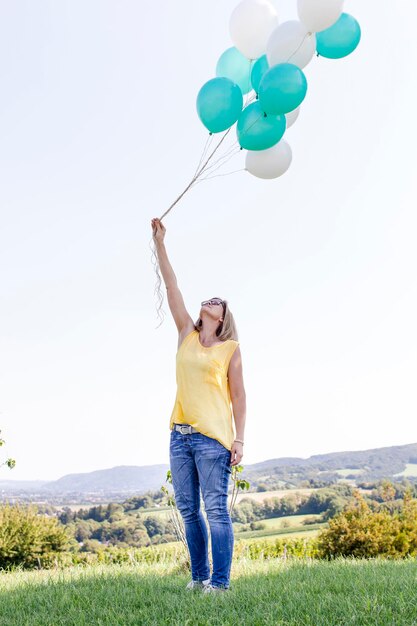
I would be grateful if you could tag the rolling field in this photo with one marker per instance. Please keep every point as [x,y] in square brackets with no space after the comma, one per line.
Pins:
[275,527]
[281,527]
[259,496]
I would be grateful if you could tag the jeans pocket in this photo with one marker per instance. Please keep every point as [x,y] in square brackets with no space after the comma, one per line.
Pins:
[175,442]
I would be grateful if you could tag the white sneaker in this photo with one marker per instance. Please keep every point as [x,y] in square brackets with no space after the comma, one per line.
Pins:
[197,584]
[210,589]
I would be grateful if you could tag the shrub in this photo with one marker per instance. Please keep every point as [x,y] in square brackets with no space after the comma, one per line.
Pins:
[362,532]
[316,519]
[29,539]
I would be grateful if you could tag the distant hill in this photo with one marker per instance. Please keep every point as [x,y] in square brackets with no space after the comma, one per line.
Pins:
[116,480]
[18,485]
[123,478]
[393,463]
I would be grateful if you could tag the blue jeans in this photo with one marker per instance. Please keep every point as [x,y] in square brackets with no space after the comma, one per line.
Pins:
[200,461]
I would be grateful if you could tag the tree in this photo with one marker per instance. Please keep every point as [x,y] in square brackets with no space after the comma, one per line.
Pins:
[29,539]
[386,491]
[363,532]
[154,525]
[67,515]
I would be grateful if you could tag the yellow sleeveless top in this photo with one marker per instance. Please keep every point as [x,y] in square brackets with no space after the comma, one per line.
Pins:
[203,394]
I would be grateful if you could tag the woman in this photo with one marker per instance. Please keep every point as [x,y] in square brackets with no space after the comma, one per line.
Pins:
[203,445]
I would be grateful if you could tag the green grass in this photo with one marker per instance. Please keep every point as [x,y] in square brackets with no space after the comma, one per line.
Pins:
[279,522]
[276,528]
[294,520]
[410,470]
[343,471]
[162,512]
[260,496]
[267,593]
[287,533]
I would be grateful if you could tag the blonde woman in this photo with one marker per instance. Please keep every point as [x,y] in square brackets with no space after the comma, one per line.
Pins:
[204,442]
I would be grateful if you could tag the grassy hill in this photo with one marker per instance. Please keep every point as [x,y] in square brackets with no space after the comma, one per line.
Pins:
[268,593]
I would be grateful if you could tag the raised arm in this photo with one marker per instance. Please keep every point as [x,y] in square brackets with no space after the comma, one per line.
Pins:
[175,300]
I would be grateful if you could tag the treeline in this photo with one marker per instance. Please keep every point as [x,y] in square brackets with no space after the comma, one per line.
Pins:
[358,531]
[380,522]
[101,512]
[300,477]
[119,524]
[136,522]
[327,502]
[133,523]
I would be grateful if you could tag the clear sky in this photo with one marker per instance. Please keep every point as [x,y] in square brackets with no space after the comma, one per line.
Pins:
[99,134]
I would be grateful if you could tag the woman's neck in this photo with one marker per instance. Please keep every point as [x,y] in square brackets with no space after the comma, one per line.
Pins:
[208,334]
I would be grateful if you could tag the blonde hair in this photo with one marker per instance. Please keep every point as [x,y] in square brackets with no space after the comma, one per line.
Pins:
[227,328]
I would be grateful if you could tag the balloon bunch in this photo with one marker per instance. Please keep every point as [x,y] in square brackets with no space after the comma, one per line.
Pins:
[260,85]
[266,64]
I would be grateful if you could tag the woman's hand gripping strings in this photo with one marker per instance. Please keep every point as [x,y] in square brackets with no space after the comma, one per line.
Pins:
[158,230]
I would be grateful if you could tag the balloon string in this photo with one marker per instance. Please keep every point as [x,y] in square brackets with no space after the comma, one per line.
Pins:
[201,168]
[198,173]
[222,159]
[242,169]
[205,150]
[301,44]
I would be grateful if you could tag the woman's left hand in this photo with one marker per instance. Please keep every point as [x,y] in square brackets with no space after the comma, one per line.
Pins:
[236,452]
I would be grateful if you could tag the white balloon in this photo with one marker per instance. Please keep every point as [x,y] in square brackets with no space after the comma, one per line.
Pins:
[269,163]
[319,14]
[291,117]
[251,23]
[291,42]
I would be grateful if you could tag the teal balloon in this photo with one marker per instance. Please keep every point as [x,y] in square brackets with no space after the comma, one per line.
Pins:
[258,131]
[258,70]
[282,89]
[232,64]
[219,104]
[340,39]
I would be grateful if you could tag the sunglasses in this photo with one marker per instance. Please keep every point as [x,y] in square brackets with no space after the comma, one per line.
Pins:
[213,301]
